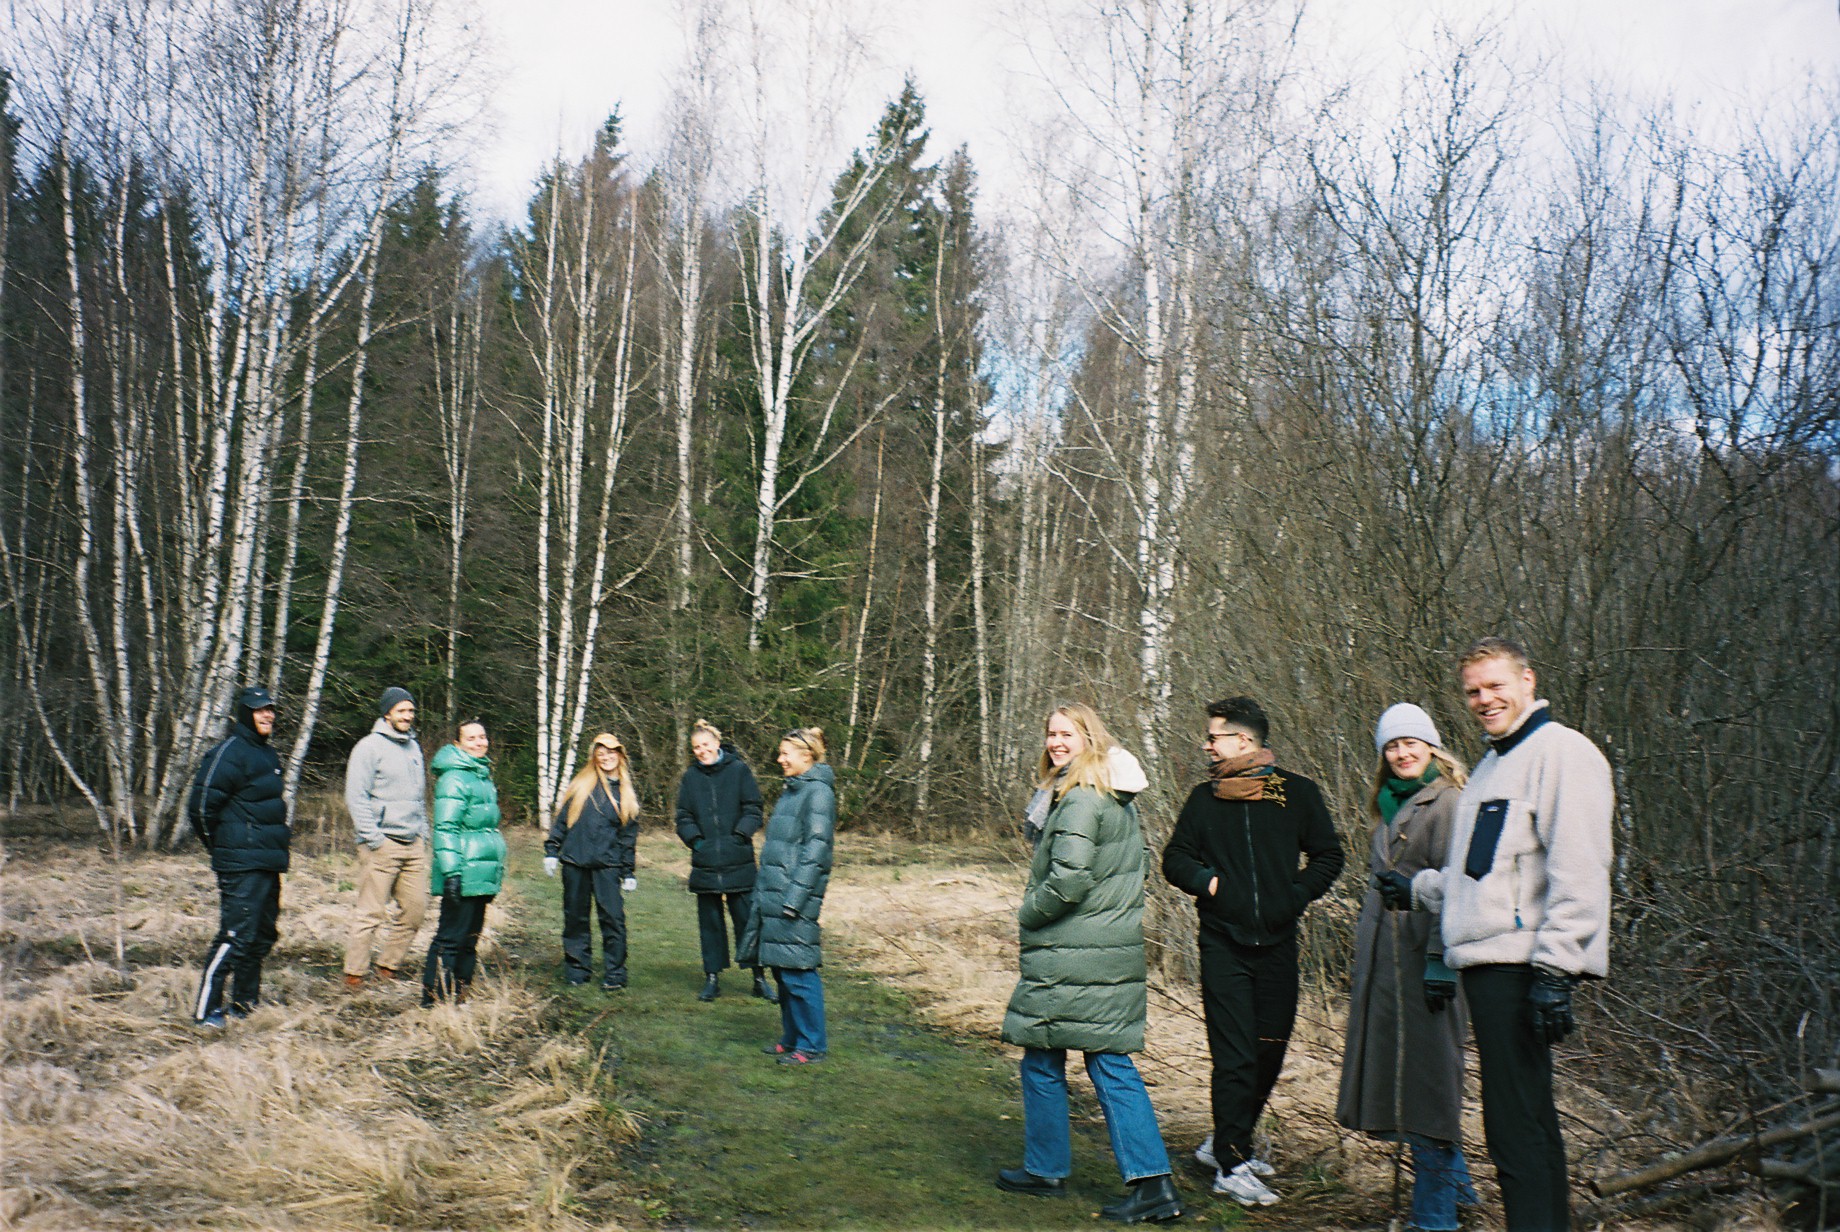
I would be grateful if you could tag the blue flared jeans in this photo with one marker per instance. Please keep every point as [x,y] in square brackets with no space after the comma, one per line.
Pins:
[801,1011]
[1047,1133]
[1440,1180]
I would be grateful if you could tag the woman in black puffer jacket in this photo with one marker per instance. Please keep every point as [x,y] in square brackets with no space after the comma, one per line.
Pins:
[718,814]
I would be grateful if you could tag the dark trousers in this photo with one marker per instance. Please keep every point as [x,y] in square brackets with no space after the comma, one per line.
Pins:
[453,955]
[1518,1117]
[1249,1001]
[713,933]
[249,904]
[599,888]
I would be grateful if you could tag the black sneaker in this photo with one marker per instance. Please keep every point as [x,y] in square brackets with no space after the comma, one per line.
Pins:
[613,985]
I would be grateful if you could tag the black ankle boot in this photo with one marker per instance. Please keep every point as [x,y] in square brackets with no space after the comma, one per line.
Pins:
[1151,1200]
[764,990]
[1018,1180]
[712,988]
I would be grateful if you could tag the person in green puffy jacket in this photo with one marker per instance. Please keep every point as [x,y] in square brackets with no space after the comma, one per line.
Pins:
[469,861]
[1081,928]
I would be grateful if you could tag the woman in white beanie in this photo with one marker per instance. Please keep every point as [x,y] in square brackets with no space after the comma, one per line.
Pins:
[1404,1003]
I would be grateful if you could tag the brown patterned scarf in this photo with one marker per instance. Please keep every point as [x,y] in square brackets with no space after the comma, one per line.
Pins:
[1244,777]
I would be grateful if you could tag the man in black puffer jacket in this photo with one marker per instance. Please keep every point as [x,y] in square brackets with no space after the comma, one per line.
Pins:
[239,814]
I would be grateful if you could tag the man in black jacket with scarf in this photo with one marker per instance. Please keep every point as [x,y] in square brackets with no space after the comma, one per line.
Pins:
[239,813]
[1235,848]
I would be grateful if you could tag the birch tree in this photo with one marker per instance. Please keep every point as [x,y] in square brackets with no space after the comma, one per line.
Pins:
[577,271]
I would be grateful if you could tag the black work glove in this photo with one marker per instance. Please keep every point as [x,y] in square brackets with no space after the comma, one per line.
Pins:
[1550,1002]
[1440,984]
[789,913]
[1395,890]
[450,889]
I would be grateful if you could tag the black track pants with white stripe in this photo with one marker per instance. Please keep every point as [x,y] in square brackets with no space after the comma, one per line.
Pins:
[249,905]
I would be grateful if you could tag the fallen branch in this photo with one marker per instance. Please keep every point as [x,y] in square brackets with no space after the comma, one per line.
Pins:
[1711,1154]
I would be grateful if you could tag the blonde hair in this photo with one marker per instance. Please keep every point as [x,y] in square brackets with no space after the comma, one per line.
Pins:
[1091,767]
[811,737]
[1448,768]
[589,777]
[1494,648]
[700,726]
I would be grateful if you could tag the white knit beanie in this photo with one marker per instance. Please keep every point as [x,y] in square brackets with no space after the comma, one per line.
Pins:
[1405,719]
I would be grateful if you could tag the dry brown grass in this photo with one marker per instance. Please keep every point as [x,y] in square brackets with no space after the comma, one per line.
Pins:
[323,1110]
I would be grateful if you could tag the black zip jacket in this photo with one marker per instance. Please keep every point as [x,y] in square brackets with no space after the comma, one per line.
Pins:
[718,814]
[598,839]
[236,806]
[1253,847]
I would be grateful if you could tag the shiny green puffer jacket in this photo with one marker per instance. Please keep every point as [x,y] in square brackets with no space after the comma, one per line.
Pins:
[466,837]
[1082,931]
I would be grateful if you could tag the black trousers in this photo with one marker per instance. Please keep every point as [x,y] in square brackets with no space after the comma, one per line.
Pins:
[1249,1002]
[712,933]
[597,888]
[1518,1117]
[453,955]
[248,906]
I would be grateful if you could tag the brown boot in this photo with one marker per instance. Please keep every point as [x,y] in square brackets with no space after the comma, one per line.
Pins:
[385,973]
[353,981]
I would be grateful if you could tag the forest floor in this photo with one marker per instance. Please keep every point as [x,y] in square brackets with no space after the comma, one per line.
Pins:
[536,1105]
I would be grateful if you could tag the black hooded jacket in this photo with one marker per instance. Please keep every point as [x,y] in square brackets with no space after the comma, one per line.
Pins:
[236,806]
[718,814]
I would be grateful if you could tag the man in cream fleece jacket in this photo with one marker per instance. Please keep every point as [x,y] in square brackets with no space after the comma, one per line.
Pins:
[1525,901]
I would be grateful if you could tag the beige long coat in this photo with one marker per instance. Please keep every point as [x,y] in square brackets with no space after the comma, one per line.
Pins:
[1389,981]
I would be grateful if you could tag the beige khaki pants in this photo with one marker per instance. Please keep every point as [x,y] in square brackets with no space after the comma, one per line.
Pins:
[392,898]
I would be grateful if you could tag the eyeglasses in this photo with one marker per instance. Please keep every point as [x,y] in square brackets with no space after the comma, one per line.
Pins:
[1211,737]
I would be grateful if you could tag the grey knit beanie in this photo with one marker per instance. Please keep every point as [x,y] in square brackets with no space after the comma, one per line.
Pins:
[1405,719]
[393,697]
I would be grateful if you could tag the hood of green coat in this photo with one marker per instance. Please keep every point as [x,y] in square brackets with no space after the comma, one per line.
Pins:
[453,757]
[820,773]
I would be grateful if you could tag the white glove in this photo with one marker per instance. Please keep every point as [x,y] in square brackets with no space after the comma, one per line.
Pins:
[550,865]
[629,884]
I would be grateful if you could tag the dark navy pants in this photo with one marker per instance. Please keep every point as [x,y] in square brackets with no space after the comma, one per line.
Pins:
[249,904]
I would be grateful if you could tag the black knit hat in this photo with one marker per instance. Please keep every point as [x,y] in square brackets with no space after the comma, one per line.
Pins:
[393,697]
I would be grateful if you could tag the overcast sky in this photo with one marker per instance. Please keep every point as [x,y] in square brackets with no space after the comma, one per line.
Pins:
[565,64]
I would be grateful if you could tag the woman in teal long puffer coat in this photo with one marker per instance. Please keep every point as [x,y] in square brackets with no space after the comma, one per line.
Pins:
[1081,927]
[795,869]
[469,861]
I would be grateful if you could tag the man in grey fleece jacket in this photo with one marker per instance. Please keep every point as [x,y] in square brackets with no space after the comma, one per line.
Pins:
[1525,900]
[386,792]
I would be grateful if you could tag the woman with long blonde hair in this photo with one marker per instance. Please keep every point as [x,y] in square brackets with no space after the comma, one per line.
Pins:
[593,842]
[1402,1067]
[1082,984]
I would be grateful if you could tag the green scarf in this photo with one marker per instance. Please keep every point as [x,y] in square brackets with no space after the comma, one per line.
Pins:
[1395,792]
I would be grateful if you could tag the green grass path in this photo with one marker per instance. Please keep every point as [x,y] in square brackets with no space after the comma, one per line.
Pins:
[901,1127]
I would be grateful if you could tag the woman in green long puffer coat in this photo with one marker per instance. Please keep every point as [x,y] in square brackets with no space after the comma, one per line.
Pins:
[469,861]
[1081,927]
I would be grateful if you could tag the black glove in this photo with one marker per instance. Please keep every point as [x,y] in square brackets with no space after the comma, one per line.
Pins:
[450,889]
[1440,984]
[1550,1000]
[1395,890]
[789,913]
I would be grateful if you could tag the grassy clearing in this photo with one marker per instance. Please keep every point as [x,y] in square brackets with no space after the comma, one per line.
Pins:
[538,1106]
[903,1127]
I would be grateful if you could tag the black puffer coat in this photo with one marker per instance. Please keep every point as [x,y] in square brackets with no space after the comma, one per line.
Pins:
[598,839]
[236,806]
[718,814]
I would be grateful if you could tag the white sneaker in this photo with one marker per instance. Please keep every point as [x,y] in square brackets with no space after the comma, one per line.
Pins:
[1244,1187]
[1204,1155]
